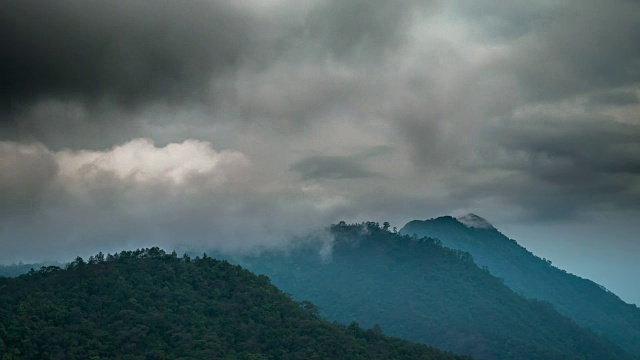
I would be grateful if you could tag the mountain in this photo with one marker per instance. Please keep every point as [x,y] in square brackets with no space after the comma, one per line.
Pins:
[586,302]
[147,304]
[418,290]
[14,270]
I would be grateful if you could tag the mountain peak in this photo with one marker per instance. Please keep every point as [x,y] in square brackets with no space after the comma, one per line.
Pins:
[474,221]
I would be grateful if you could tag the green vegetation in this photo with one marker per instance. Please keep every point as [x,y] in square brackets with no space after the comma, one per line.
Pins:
[147,304]
[418,290]
[586,302]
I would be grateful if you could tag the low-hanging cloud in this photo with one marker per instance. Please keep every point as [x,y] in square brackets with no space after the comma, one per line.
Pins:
[182,194]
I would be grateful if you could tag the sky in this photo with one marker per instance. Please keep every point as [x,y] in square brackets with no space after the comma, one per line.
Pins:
[241,124]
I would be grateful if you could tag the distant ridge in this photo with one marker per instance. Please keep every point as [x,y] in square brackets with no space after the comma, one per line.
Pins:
[586,302]
[418,290]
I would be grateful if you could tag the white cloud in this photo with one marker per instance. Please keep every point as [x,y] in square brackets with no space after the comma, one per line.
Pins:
[141,162]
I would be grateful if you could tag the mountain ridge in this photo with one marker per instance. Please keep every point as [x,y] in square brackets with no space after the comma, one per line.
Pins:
[147,304]
[586,302]
[418,290]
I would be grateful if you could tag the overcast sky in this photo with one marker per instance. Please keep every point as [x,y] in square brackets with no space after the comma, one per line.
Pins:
[239,124]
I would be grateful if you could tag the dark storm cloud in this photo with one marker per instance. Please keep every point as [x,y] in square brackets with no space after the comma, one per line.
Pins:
[127,52]
[71,125]
[560,168]
[104,63]
[331,167]
[538,200]
[592,145]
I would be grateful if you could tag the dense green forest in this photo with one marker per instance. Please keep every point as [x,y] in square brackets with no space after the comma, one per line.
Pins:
[418,290]
[147,304]
[586,302]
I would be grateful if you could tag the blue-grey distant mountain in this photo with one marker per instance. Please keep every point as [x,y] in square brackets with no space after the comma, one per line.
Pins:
[14,270]
[586,302]
[418,290]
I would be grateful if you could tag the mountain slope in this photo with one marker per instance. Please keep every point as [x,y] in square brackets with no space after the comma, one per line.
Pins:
[421,291]
[588,303]
[150,305]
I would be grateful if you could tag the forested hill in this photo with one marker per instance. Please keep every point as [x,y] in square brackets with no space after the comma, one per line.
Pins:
[421,291]
[150,305]
[588,303]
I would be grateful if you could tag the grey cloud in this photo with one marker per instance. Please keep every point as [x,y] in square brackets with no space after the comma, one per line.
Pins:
[579,48]
[331,167]
[425,138]
[358,28]
[375,151]
[438,86]
[504,21]
[61,125]
[614,98]
[26,174]
[113,61]
[126,52]
[293,95]
[532,199]
[595,144]
[560,50]
[329,64]
[553,169]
